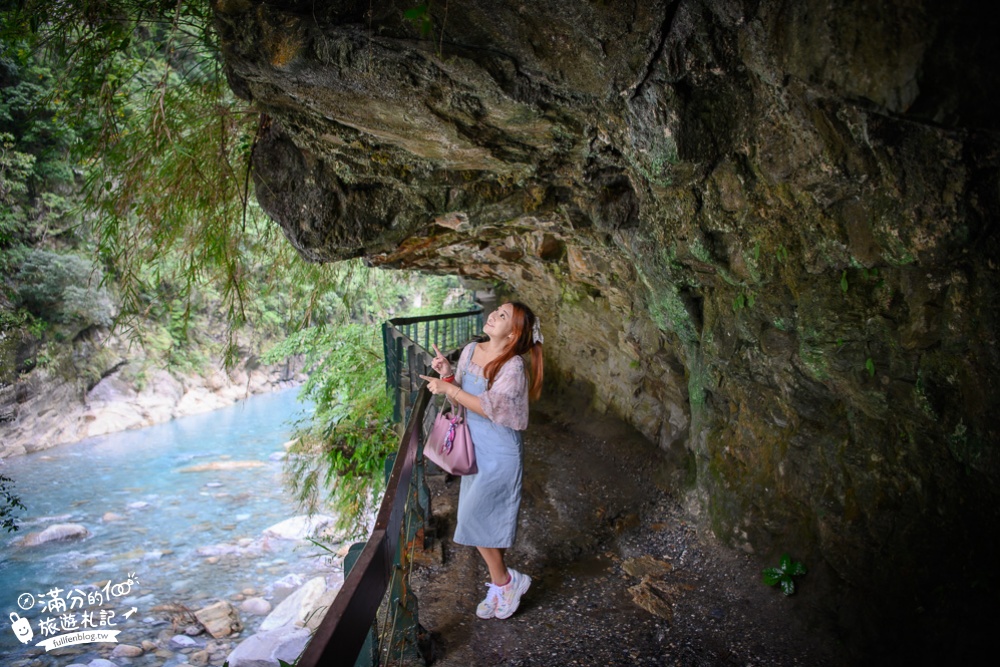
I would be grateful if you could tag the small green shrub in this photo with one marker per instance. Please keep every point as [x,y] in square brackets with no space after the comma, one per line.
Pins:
[63,289]
[782,575]
[420,17]
[9,504]
[743,301]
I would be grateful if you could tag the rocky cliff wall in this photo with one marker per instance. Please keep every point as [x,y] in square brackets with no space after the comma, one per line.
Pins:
[764,232]
[116,388]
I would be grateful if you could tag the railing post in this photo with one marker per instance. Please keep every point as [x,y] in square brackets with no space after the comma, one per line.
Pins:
[387,354]
[368,657]
[411,359]
[397,413]
[407,636]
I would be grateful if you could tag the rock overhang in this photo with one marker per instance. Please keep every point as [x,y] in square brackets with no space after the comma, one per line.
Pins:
[761,233]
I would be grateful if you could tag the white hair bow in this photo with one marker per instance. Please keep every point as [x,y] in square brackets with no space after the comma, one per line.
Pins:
[536,332]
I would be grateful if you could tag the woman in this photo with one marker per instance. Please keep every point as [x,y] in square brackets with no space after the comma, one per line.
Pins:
[494,386]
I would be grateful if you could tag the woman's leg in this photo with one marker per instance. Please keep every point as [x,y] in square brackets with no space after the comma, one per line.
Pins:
[494,561]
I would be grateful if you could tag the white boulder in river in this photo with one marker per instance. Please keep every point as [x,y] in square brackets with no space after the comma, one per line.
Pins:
[283,635]
[265,649]
[58,531]
[300,527]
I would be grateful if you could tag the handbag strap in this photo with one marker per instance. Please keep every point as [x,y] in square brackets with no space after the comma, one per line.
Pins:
[457,408]
[471,352]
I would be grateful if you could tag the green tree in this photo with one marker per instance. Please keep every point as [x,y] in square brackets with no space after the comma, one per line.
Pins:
[63,288]
[36,167]
[15,168]
[164,150]
[339,453]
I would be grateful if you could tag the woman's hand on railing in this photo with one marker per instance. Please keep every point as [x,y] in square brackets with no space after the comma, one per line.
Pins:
[440,364]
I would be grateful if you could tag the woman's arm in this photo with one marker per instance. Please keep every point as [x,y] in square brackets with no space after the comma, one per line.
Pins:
[504,403]
[456,394]
[464,398]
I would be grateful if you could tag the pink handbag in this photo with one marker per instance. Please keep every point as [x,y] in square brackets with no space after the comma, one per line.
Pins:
[450,445]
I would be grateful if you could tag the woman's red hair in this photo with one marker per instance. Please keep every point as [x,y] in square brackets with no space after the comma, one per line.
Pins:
[522,327]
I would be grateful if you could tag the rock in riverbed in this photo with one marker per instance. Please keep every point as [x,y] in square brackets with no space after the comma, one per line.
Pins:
[55,532]
[300,527]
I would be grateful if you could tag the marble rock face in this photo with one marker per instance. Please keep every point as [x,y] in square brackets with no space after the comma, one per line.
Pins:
[762,232]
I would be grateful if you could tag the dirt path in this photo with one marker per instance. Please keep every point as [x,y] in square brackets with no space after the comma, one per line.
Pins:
[599,512]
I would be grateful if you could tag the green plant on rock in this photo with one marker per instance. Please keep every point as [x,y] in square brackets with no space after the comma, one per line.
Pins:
[9,504]
[921,398]
[420,17]
[743,301]
[700,252]
[663,160]
[782,575]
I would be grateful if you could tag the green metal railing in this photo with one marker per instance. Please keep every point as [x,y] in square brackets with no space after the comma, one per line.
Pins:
[408,343]
[365,626]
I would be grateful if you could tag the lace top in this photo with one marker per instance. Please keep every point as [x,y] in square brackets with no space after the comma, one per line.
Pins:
[506,402]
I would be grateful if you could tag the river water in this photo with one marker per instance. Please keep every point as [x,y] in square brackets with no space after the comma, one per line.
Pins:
[180,537]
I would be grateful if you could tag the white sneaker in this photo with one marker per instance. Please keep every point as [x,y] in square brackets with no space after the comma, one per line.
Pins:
[488,607]
[510,595]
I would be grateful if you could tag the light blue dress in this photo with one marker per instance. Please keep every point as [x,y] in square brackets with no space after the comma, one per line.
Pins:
[488,502]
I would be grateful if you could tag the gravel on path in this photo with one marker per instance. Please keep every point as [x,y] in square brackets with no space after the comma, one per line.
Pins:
[604,529]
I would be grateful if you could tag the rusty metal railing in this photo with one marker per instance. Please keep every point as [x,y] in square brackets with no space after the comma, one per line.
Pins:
[348,635]
[339,639]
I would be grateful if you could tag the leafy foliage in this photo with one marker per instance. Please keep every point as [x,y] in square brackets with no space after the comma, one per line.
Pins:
[340,453]
[15,168]
[63,288]
[782,575]
[35,168]
[420,17]
[9,505]
[162,151]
